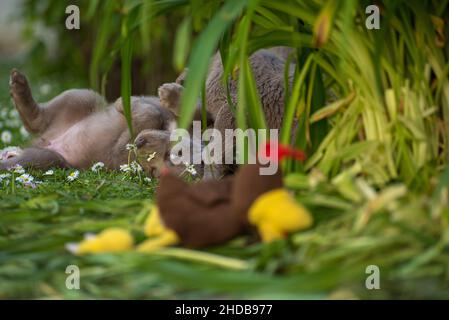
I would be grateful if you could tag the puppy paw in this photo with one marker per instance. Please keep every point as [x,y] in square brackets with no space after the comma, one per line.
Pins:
[170,96]
[118,104]
[18,83]
[182,77]
[10,152]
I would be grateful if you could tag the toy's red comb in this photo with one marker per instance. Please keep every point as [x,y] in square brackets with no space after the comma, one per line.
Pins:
[164,171]
[283,151]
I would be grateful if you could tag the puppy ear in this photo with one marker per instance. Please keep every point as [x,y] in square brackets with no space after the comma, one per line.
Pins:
[170,96]
[118,104]
[181,78]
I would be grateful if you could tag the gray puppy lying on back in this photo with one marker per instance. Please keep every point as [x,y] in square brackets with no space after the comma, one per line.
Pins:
[77,129]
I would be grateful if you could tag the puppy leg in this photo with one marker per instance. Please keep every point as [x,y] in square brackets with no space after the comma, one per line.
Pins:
[36,158]
[28,109]
[146,113]
[61,112]
[70,107]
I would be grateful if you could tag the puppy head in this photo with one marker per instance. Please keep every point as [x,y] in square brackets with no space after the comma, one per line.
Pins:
[153,148]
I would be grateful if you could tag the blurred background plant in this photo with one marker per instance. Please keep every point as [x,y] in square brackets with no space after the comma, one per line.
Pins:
[89,56]
[389,86]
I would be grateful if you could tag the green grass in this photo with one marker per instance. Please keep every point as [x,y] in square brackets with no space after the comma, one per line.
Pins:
[35,225]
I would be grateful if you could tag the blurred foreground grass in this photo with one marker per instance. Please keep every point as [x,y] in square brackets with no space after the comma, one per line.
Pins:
[388,227]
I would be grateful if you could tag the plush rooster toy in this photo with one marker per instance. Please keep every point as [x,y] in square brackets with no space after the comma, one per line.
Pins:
[212,212]
[194,215]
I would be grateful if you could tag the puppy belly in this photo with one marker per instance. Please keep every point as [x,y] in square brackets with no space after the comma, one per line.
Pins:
[69,146]
[59,149]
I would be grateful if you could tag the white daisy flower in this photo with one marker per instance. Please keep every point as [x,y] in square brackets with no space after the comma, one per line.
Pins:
[151,156]
[49,173]
[4,113]
[190,168]
[14,114]
[73,175]
[25,178]
[146,179]
[131,146]
[4,176]
[6,137]
[97,166]
[45,89]
[17,169]
[136,167]
[72,247]
[24,132]
[14,123]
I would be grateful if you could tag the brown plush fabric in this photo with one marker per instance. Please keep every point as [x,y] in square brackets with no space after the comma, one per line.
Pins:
[249,185]
[201,214]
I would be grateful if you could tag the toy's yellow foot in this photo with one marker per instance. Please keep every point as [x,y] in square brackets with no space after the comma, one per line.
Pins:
[268,232]
[165,239]
[277,213]
[160,235]
[109,240]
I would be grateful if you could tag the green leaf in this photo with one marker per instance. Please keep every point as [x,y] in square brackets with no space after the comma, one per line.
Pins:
[182,44]
[126,59]
[202,51]
[331,109]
